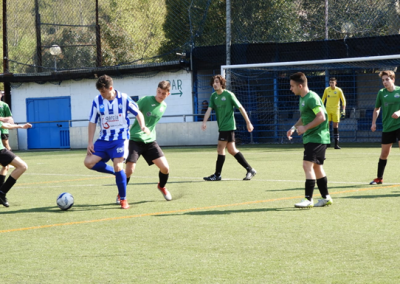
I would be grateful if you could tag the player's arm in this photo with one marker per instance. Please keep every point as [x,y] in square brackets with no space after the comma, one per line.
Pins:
[375,115]
[142,123]
[290,132]
[250,126]
[343,99]
[319,118]
[206,117]
[91,131]
[15,126]
[7,119]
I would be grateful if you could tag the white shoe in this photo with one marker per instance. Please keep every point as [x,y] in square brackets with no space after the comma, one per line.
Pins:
[118,200]
[324,202]
[305,203]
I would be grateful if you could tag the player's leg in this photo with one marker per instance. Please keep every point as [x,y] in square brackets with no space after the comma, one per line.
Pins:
[118,152]
[320,175]
[388,138]
[3,174]
[251,172]
[96,161]
[163,175]
[309,159]
[129,170]
[335,122]
[222,143]
[20,168]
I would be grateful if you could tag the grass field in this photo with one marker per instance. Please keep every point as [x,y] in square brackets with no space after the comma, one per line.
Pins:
[231,231]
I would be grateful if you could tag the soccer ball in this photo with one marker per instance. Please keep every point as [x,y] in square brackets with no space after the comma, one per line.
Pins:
[65,201]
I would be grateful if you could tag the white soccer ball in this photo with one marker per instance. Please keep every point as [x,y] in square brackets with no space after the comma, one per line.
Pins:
[65,201]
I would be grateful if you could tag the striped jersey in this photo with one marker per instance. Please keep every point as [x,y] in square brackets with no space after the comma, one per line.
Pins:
[113,116]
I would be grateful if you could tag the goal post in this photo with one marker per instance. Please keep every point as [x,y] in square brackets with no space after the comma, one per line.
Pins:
[264,91]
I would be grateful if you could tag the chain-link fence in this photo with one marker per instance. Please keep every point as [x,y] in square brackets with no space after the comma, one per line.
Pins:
[93,33]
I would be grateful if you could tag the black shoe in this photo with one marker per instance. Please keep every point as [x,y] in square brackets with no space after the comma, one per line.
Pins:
[337,147]
[250,174]
[213,177]
[3,200]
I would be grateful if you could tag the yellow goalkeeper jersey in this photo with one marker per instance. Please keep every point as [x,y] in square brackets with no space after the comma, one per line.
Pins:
[333,98]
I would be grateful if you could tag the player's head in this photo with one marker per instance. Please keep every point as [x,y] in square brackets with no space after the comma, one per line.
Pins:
[163,91]
[104,82]
[388,77]
[298,83]
[332,82]
[218,82]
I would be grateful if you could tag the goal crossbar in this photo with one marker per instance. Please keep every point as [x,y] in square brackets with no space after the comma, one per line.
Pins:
[310,62]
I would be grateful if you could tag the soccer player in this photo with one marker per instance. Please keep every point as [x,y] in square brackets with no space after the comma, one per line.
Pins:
[111,108]
[333,95]
[7,157]
[146,144]
[388,99]
[224,102]
[5,113]
[315,129]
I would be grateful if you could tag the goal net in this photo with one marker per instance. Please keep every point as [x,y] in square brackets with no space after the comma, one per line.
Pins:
[264,91]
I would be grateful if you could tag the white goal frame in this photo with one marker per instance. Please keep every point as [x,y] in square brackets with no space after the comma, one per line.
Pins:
[308,62]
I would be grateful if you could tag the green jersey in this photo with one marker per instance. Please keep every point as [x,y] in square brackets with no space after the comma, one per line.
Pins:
[389,102]
[4,112]
[223,105]
[152,112]
[320,133]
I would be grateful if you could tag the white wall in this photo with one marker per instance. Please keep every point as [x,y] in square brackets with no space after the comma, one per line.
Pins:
[168,134]
[82,93]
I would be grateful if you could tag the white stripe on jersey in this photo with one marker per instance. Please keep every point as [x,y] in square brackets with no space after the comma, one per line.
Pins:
[118,109]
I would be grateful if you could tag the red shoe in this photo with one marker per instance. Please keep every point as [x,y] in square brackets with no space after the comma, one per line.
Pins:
[377,181]
[118,200]
[165,192]
[124,204]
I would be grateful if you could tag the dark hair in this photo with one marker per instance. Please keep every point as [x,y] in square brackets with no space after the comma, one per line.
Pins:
[221,80]
[299,78]
[332,79]
[104,81]
[388,73]
[164,85]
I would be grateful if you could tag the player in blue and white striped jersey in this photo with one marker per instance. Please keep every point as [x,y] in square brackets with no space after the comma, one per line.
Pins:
[110,109]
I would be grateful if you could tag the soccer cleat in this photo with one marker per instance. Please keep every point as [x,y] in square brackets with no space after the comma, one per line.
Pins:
[337,147]
[377,181]
[124,204]
[324,202]
[213,177]
[250,174]
[165,192]
[118,200]
[3,200]
[305,203]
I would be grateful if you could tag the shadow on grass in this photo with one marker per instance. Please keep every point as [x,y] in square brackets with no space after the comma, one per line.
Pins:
[155,183]
[371,196]
[75,208]
[227,212]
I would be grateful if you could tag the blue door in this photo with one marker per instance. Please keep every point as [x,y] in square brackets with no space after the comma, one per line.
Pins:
[52,134]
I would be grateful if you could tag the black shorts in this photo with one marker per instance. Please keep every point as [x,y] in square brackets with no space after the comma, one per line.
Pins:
[150,151]
[4,136]
[228,136]
[6,157]
[390,137]
[314,152]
